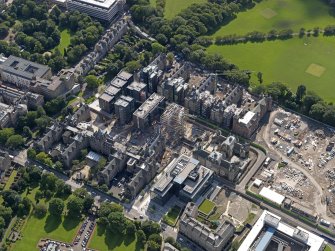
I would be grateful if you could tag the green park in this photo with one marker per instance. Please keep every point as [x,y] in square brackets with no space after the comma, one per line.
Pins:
[65,40]
[173,7]
[294,61]
[52,227]
[279,14]
[104,240]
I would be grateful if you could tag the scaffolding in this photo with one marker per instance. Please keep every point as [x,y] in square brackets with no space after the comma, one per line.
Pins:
[173,123]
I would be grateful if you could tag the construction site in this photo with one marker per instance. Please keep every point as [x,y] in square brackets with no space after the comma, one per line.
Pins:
[300,166]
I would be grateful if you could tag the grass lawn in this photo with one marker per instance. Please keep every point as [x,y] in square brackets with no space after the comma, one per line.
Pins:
[10,180]
[250,218]
[206,206]
[173,7]
[152,3]
[280,14]
[63,229]
[328,248]
[294,61]
[65,37]
[172,216]
[105,241]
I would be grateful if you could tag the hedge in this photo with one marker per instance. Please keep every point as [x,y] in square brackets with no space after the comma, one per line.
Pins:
[258,147]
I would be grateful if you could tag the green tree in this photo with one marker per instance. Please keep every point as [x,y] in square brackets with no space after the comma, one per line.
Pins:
[56,206]
[11,199]
[3,31]
[38,195]
[106,208]
[27,132]
[31,153]
[15,141]
[317,111]
[87,203]
[133,66]
[170,58]
[6,213]
[141,238]
[150,227]
[92,82]
[75,206]
[102,163]
[309,100]
[5,134]
[58,165]
[301,92]
[157,48]
[2,223]
[104,188]
[117,222]
[24,207]
[42,123]
[153,246]
[130,228]
[239,77]
[35,175]
[44,158]
[40,210]
[329,116]
[260,77]
[156,238]
[48,182]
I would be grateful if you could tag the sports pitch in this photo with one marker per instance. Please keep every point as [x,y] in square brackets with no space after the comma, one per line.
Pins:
[279,14]
[307,60]
[295,61]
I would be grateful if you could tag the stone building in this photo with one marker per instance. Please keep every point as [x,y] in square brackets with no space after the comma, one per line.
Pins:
[201,234]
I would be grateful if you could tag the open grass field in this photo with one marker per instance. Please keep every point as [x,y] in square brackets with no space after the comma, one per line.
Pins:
[206,206]
[103,240]
[63,229]
[295,61]
[152,3]
[173,7]
[172,216]
[280,14]
[65,37]
[327,248]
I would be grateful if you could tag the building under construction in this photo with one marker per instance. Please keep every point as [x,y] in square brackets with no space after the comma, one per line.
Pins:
[173,121]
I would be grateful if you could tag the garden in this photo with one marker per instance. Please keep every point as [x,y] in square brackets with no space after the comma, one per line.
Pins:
[172,216]
[104,240]
[206,207]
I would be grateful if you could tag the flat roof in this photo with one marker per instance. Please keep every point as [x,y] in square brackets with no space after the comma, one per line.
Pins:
[106,97]
[137,86]
[247,118]
[23,68]
[124,75]
[106,4]
[121,102]
[112,90]
[272,195]
[149,105]
[314,242]
[118,82]
[178,171]
[192,187]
